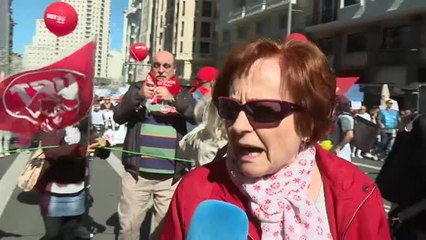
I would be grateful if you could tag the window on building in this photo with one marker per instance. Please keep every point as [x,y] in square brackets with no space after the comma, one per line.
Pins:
[283,21]
[177,10]
[181,46]
[422,75]
[396,37]
[204,47]
[206,10]
[182,29]
[356,42]
[161,38]
[205,29]
[238,3]
[183,8]
[326,45]
[195,29]
[241,32]
[351,2]
[226,36]
[259,27]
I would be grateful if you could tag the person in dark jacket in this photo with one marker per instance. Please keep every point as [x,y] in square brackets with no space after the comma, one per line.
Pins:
[402,181]
[154,129]
[63,185]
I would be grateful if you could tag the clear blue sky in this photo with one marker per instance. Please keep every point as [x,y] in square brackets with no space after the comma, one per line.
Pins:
[25,12]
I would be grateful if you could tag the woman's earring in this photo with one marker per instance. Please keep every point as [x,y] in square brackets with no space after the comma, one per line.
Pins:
[305,142]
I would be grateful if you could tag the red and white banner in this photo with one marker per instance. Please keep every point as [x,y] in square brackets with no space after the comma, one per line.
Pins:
[49,98]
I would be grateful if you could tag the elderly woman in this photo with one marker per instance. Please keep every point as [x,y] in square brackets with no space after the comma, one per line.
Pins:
[277,100]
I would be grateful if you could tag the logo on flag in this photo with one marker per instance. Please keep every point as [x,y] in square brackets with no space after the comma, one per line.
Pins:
[50,98]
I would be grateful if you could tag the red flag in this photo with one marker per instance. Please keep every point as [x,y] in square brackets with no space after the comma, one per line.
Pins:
[343,84]
[49,98]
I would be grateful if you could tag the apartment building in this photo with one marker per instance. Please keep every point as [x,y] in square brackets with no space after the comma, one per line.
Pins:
[115,72]
[6,37]
[131,35]
[241,20]
[191,35]
[381,41]
[93,23]
[184,27]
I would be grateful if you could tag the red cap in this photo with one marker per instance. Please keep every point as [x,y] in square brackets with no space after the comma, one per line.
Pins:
[207,74]
[297,36]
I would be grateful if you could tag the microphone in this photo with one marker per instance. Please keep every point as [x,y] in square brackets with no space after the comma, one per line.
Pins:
[218,220]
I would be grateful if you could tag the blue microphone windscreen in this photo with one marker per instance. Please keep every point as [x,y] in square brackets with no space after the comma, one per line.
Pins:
[218,220]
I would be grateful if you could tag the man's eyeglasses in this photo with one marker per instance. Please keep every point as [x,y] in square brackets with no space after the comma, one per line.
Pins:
[261,111]
[158,65]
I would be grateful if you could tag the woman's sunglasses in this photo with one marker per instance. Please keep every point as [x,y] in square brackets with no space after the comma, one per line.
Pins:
[261,111]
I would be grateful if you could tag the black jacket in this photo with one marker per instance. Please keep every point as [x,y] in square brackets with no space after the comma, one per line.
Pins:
[67,163]
[402,179]
[185,105]
[131,110]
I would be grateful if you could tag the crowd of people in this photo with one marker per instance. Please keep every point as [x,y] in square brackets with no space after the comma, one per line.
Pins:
[248,135]
[366,134]
[102,114]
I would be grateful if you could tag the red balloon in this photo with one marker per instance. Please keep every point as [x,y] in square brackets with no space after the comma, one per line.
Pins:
[60,18]
[139,51]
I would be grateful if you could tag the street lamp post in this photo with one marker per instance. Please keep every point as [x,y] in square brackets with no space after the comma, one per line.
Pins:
[289,16]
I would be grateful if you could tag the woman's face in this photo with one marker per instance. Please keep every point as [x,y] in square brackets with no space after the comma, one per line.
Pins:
[261,149]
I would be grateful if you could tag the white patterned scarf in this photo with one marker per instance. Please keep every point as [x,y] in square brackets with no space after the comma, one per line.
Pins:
[280,202]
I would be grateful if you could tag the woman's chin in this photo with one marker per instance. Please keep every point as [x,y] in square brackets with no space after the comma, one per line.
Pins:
[252,170]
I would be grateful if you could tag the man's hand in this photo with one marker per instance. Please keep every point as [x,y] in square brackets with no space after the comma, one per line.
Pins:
[164,93]
[100,142]
[336,149]
[147,89]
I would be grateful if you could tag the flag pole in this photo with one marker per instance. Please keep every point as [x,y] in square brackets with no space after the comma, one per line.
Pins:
[88,142]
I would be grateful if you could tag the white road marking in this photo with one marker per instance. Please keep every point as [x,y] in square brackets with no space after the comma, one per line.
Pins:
[9,180]
[116,164]
[366,165]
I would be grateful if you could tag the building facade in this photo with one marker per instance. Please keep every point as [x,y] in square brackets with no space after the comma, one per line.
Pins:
[115,60]
[138,25]
[192,38]
[93,23]
[6,37]
[381,41]
[184,27]
[242,20]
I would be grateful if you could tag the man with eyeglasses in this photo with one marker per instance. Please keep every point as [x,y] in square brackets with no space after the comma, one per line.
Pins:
[107,104]
[154,128]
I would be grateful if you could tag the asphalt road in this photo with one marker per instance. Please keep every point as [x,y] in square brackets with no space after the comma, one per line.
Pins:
[19,211]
